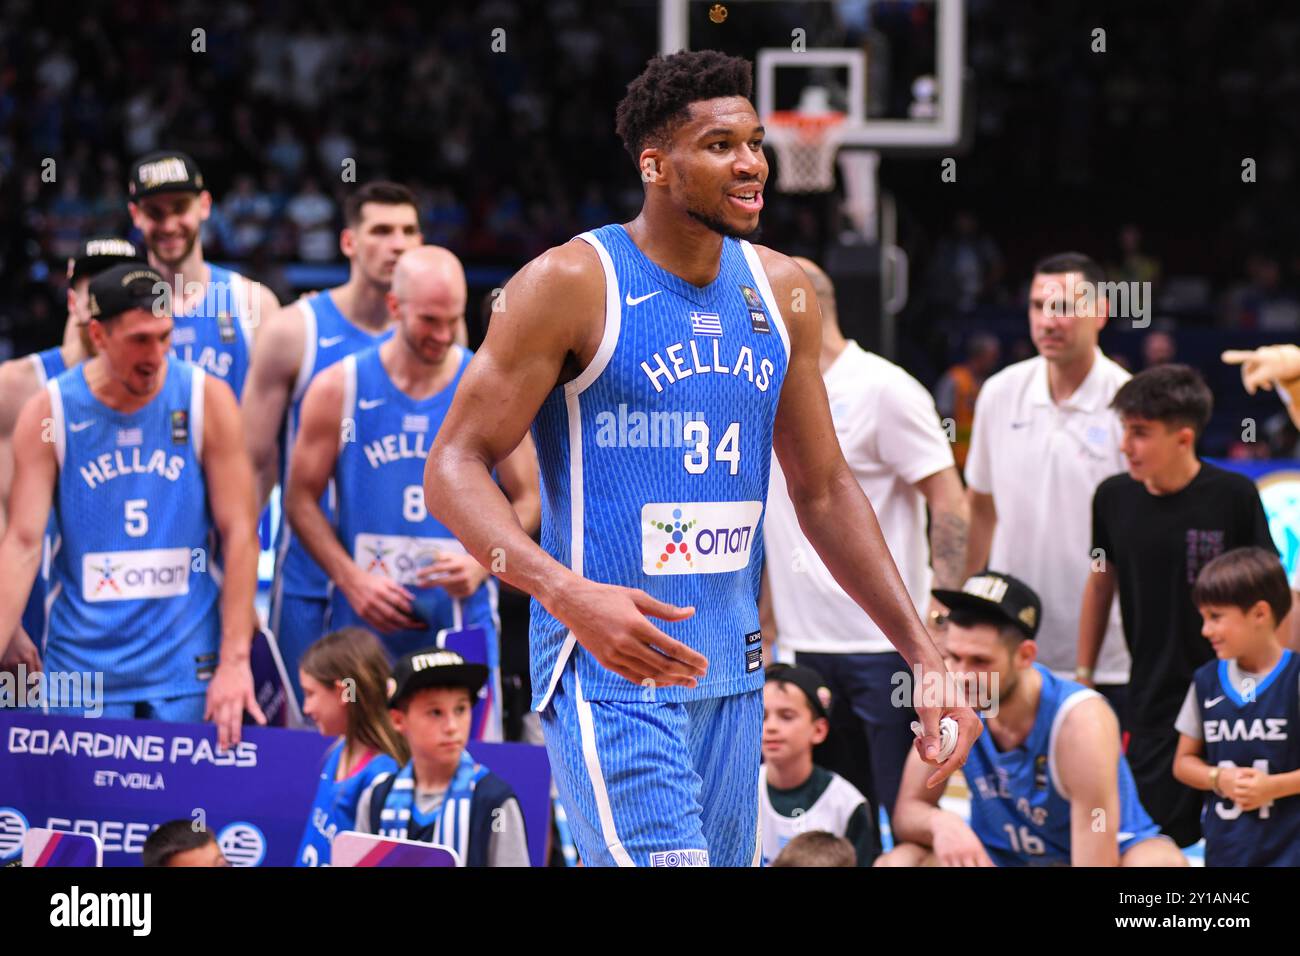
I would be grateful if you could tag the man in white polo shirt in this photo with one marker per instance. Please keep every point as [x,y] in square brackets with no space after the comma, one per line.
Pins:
[1044,437]
[890,434]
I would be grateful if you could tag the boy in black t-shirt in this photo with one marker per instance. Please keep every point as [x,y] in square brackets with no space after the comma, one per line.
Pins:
[1153,529]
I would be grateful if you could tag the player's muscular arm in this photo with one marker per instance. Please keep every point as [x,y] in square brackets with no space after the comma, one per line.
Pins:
[1087,760]
[549,328]
[271,377]
[30,499]
[979,539]
[517,474]
[229,480]
[918,819]
[1098,593]
[18,383]
[384,604]
[833,512]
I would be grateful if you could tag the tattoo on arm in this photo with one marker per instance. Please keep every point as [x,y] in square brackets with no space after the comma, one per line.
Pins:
[948,549]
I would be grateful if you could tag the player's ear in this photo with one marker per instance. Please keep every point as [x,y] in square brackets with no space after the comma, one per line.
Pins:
[205,204]
[347,242]
[821,729]
[651,165]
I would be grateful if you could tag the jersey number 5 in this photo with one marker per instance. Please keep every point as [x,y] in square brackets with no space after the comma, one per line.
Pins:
[728,450]
[137,521]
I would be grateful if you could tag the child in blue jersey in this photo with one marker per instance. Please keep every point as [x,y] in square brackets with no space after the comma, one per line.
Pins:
[796,795]
[344,678]
[1238,736]
[442,796]
[1048,784]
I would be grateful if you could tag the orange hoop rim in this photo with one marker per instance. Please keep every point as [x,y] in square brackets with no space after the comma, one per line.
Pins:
[809,125]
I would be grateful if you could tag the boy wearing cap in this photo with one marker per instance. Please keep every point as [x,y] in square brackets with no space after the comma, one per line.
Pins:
[795,795]
[140,457]
[21,378]
[218,311]
[1048,784]
[442,796]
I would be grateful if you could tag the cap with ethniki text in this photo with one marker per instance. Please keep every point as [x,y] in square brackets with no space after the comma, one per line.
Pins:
[126,287]
[102,252]
[434,667]
[165,171]
[1002,595]
[807,680]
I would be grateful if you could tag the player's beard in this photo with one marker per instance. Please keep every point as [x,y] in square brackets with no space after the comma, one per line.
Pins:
[721,226]
[188,248]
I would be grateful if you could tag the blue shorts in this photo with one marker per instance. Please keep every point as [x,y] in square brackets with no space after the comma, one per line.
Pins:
[297,623]
[187,709]
[657,784]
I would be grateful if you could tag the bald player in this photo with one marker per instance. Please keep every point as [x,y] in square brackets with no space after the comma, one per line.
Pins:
[889,432]
[368,422]
[305,338]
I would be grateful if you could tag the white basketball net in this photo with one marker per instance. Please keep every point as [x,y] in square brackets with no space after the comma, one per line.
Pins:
[805,155]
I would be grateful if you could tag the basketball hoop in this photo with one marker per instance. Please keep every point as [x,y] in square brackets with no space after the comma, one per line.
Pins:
[805,145]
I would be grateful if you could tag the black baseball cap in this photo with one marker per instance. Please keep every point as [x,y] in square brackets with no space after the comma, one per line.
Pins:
[434,667]
[1000,595]
[95,255]
[164,171]
[125,287]
[808,681]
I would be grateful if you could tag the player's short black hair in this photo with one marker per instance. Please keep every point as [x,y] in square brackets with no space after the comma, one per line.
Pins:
[1010,635]
[1062,262]
[1240,578]
[1173,394]
[380,191]
[174,836]
[658,101]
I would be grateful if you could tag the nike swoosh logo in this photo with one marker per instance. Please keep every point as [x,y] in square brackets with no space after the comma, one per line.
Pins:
[1211,701]
[80,426]
[332,340]
[639,299]
[369,403]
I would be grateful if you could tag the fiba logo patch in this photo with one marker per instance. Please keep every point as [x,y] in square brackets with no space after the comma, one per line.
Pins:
[676,531]
[242,844]
[680,858]
[13,827]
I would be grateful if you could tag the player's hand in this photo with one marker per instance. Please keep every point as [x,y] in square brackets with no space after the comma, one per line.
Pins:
[382,603]
[1261,367]
[230,693]
[611,622]
[1250,789]
[460,574]
[969,727]
[955,843]
[21,650]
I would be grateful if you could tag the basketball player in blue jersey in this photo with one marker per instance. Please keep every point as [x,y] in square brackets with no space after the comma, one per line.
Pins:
[141,458]
[1048,783]
[21,378]
[380,223]
[218,311]
[368,423]
[659,363]
[1237,727]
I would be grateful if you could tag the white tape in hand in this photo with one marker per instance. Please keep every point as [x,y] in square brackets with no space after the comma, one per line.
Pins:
[947,736]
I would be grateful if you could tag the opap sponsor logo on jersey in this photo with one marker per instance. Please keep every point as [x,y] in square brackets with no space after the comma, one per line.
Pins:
[133,575]
[699,537]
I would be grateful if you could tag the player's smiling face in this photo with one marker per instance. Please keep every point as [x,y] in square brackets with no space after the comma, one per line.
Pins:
[136,345]
[979,650]
[170,223]
[718,166]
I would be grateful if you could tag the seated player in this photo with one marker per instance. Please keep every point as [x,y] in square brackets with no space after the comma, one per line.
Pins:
[177,843]
[1048,784]
[795,795]
[1237,726]
[431,797]
[344,677]
[817,848]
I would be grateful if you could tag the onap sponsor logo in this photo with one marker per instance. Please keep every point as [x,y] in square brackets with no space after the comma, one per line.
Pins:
[37,690]
[400,557]
[130,910]
[148,748]
[680,858]
[698,537]
[242,844]
[132,575]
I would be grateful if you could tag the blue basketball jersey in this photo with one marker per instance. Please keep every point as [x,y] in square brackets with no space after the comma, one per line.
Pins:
[48,364]
[335,807]
[1017,807]
[132,592]
[654,463]
[382,521]
[215,335]
[328,337]
[1256,730]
